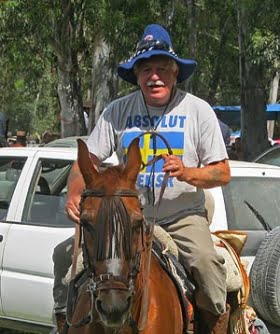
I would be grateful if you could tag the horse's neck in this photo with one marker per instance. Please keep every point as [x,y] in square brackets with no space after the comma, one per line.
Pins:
[142,284]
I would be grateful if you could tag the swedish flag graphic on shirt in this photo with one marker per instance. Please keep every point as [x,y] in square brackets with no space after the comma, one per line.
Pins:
[154,145]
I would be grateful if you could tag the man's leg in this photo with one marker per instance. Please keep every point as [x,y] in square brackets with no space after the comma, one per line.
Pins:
[62,258]
[200,259]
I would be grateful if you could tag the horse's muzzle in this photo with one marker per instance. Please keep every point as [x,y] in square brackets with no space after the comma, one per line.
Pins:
[113,306]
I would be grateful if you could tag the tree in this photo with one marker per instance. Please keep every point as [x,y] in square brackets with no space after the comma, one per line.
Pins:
[26,72]
[53,52]
[67,42]
[253,94]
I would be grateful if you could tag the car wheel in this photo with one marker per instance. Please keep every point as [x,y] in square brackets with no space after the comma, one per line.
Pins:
[265,278]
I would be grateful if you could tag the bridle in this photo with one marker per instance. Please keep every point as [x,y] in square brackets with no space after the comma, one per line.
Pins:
[96,281]
[109,281]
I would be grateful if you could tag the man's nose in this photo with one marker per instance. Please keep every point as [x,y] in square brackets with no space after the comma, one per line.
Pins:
[154,75]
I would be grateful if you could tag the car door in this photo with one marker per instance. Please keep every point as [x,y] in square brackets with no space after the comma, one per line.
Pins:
[11,169]
[252,204]
[38,225]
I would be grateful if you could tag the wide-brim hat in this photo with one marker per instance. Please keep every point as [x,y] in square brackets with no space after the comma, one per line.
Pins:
[155,42]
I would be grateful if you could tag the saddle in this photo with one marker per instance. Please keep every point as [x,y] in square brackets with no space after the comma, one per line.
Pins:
[229,245]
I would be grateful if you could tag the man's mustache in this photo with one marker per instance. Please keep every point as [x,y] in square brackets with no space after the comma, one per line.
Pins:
[152,83]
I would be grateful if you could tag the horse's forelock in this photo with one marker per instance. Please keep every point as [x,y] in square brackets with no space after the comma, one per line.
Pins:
[111,179]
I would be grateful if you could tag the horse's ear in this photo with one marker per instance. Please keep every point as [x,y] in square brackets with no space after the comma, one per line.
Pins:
[134,160]
[85,164]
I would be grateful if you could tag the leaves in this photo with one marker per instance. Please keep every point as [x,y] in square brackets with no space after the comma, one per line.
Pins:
[40,37]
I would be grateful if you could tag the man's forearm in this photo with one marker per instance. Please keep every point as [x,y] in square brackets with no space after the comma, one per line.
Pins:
[213,175]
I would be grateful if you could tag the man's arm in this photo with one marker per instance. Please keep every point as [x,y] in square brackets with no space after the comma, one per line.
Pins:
[213,175]
[75,187]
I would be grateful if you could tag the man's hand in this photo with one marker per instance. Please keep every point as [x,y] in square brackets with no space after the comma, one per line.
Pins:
[213,175]
[72,207]
[174,165]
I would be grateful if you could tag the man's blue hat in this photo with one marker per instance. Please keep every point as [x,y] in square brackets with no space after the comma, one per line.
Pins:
[155,41]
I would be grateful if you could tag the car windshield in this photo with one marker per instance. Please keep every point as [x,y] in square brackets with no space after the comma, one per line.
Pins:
[245,204]
[271,158]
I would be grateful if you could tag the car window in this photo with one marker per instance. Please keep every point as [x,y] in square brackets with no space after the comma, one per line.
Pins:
[47,194]
[10,170]
[252,203]
[271,158]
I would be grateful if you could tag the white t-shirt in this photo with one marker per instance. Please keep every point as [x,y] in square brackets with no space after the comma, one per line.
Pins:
[191,128]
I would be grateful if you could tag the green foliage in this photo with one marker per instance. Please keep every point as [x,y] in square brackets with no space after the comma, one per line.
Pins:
[265,48]
[31,45]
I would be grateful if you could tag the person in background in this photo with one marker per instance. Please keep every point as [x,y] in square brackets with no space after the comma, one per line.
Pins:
[3,129]
[191,127]
[238,148]
[86,111]
[20,139]
[226,130]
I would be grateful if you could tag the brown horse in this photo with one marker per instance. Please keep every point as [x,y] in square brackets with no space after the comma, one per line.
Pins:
[126,290]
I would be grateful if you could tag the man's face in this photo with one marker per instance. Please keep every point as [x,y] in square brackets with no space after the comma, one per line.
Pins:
[156,77]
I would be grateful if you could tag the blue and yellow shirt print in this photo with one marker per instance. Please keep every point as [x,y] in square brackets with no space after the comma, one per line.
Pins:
[147,146]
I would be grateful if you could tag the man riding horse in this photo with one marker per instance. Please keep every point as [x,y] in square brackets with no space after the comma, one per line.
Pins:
[199,161]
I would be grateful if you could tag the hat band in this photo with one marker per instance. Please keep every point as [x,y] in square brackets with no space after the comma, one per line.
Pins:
[149,45]
[152,44]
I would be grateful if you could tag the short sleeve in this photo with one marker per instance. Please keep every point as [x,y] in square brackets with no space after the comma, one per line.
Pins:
[101,141]
[212,146]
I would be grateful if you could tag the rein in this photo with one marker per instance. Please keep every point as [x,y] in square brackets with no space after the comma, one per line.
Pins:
[152,162]
[144,308]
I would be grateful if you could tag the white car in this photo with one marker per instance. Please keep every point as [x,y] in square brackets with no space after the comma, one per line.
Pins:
[32,223]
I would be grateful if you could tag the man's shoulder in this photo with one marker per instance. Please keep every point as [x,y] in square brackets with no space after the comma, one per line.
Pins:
[197,100]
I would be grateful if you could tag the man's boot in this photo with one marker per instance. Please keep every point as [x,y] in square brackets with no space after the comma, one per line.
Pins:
[60,322]
[209,323]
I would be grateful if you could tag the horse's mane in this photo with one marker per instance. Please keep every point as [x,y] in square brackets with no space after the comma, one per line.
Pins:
[114,227]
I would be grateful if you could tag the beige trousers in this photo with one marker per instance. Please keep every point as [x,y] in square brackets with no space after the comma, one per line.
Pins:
[200,259]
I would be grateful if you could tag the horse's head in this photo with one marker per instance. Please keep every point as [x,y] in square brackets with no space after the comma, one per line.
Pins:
[113,227]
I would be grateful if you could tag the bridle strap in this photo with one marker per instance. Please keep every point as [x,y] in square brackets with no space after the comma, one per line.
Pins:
[157,134]
[100,193]
[153,161]
[144,308]
[77,244]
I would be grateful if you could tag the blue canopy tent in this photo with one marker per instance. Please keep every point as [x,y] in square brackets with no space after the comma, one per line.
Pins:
[231,114]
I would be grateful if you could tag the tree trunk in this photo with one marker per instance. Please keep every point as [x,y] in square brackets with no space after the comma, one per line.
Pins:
[68,30]
[104,87]
[254,138]
[273,93]
[71,108]
[214,83]
[192,35]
